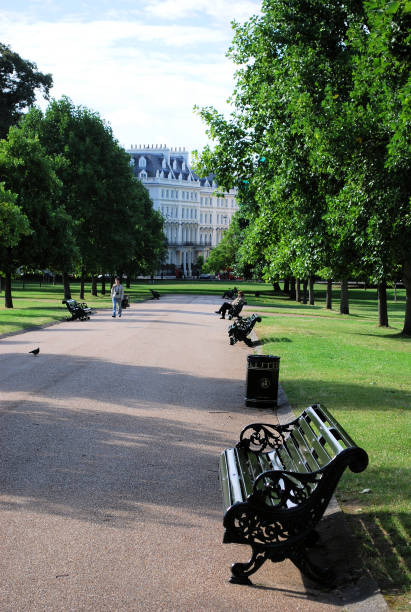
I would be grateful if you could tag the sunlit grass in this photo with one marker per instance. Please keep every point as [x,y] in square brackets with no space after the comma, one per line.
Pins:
[362,373]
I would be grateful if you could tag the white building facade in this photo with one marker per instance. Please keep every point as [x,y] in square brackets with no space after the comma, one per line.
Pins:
[195,219]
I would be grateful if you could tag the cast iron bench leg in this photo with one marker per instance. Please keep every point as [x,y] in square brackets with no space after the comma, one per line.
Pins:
[241,571]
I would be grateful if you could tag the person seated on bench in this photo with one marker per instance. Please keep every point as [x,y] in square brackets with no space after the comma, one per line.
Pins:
[228,305]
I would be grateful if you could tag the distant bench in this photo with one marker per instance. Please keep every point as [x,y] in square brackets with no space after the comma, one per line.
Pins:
[78,310]
[277,483]
[155,294]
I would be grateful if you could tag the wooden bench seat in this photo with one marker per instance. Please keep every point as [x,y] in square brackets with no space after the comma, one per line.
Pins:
[277,483]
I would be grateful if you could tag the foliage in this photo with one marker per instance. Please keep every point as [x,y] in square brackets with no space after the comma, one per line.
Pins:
[27,171]
[13,222]
[19,82]
[318,145]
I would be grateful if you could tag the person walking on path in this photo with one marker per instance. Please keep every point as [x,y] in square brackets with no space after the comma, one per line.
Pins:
[117,295]
[228,305]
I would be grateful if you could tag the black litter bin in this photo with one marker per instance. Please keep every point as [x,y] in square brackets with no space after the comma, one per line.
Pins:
[262,380]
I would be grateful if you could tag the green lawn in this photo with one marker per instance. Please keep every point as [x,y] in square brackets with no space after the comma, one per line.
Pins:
[361,372]
[38,305]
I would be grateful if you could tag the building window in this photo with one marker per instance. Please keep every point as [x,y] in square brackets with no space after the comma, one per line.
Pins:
[142,162]
[143,174]
[164,164]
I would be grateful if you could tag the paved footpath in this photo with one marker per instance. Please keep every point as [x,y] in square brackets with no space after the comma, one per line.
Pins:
[109,440]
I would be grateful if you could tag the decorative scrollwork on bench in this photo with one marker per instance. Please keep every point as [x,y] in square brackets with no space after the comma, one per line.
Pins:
[282,489]
[259,436]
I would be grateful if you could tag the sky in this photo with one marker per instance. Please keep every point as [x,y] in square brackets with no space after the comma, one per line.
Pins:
[141,64]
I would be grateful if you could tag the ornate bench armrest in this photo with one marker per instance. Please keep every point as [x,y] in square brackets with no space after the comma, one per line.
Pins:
[261,436]
[280,489]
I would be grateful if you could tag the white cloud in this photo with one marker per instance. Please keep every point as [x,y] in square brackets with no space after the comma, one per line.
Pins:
[142,77]
[220,10]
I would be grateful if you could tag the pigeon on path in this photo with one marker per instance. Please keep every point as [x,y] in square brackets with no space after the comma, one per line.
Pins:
[35,351]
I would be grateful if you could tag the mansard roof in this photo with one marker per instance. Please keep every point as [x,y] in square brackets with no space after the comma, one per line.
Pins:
[154,165]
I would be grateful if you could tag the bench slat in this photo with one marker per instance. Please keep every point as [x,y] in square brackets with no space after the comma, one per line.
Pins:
[330,435]
[315,446]
[247,475]
[299,464]
[224,481]
[234,477]
[301,442]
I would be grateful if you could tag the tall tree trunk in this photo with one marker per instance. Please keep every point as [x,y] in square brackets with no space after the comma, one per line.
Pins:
[94,285]
[382,304]
[329,296]
[103,285]
[82,280]
[305,294]
[8,300]
[311,297]
[1,284]
[66,285]
[297,290]
[292,289]
[128,281]
[407,282]
[287,285]
[276,287]
[344,304]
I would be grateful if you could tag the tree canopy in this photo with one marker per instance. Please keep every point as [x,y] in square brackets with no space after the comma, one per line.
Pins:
[318,144]
[20,81]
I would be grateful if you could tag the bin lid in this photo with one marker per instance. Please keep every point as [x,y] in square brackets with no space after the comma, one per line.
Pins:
[262,358]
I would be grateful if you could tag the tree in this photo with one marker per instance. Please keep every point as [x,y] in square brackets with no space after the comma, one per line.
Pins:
[13,222]
[26,170]
[19,82]
[319,135]
[224,255]
[115,227]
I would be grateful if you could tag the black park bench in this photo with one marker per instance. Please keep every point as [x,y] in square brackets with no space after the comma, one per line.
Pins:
[240,329]
[235,311]
[155,294]
[78,310]
[277,483]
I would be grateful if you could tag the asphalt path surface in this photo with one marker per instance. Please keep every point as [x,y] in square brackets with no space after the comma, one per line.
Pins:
[110,439]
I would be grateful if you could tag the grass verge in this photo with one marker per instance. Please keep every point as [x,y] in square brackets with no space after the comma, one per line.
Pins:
[362,374]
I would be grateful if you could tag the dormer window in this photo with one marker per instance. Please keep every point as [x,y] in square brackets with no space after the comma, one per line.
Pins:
[142,163]
[183,166]
[175,164]
[164,164]
[180,177]
[169,175]
[143,174]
